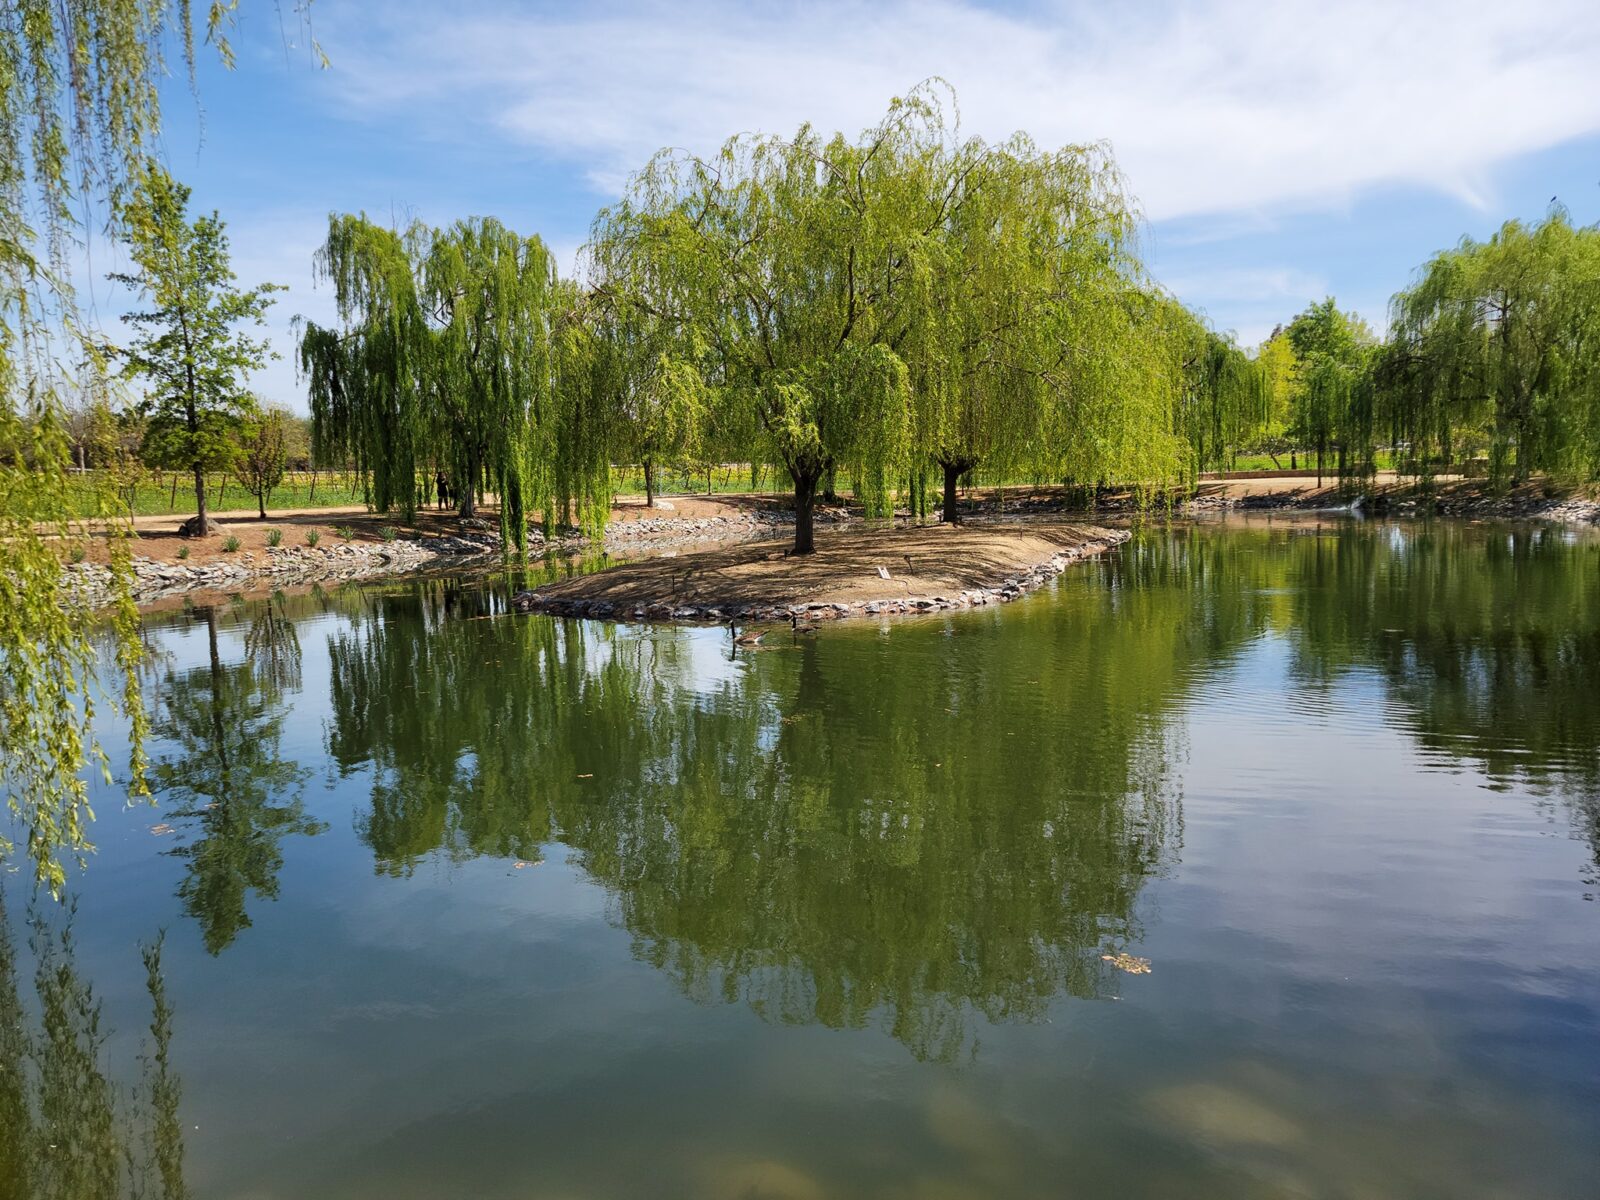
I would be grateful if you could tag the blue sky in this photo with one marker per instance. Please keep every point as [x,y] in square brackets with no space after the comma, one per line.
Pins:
[1281,152]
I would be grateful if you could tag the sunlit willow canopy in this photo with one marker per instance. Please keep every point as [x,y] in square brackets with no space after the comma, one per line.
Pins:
[1497,345]
[79,113]
[910,297]
[458,351]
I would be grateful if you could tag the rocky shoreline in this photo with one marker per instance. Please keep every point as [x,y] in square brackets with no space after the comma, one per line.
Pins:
[287,566]
[283,566]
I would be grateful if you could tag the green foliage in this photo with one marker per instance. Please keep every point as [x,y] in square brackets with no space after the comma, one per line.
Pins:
[313,536]
[861,307]
[230,544]
[388,533]
[183,553]
[345,532]
[459,351]
[263,455]
[67,1126]
[1499,342]
[187,348]
[274,537]
[48,658]
[224,779]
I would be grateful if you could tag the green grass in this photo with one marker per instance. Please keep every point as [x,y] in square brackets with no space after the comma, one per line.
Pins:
[154,496]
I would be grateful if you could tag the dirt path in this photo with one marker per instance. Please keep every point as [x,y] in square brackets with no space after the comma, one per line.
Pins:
[854,573]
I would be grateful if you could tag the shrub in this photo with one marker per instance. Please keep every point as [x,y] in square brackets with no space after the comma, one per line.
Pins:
[389,533]
[230,544]
[313,536]
[345,532]
[183,553]
[78,554]
[274,537]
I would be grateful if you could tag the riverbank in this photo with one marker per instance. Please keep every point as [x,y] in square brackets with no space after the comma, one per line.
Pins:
[329,546]
[857,573]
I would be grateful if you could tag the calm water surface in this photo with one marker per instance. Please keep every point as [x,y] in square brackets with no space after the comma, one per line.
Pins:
[466,904]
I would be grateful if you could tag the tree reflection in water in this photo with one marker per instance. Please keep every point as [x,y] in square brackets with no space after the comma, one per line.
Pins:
[220,775]
[67,1132]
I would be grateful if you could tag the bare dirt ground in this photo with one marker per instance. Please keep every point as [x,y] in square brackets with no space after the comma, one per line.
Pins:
[941,565]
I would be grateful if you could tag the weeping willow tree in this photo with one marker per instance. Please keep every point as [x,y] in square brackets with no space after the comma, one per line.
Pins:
[1029,346]
[1498,342]
[79,114]
[1225,398]
[457,352]
[1332,394]
[774,271]
[906,298]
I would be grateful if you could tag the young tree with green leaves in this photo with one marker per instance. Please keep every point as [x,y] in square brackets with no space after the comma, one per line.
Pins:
[264,454]
[188,347]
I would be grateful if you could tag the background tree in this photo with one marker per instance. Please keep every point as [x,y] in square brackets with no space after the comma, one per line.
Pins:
[1500,339]
[768,258]
[1332,390]
[187,346]
[264,454]
[460,348]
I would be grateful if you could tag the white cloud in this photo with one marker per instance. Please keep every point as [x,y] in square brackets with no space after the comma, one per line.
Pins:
[1215,106]
[1245,284]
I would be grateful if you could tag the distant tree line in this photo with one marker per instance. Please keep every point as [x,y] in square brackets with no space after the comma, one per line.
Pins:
[1491,363]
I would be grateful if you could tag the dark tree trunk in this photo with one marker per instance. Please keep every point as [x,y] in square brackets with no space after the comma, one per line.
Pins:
[953,471]
[467,492]
[805,497]
[649,484]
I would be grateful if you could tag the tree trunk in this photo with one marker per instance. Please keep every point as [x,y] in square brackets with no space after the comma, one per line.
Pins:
[649,484]
[261,506]
[953,471]
[200,524]
[805,496]
[468,492]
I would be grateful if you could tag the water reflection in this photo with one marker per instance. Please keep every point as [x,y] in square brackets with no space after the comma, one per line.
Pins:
[220,774]
[952,818]
[67,1131]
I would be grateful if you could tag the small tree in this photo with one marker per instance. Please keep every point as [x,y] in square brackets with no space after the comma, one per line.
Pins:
[187,344]
[263,455]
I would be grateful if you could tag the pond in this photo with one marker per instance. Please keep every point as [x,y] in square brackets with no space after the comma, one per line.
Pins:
[1255,859]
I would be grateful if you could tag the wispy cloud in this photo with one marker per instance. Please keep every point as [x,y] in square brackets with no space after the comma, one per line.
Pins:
[1213,106]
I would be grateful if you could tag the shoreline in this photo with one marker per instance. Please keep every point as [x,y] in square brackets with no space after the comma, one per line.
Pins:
[707,524]
[861,573]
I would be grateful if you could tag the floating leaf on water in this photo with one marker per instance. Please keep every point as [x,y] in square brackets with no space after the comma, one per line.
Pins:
[587,775]
[1124,961]
[158,830]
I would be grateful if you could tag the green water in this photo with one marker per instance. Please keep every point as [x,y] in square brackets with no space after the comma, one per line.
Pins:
[460,903]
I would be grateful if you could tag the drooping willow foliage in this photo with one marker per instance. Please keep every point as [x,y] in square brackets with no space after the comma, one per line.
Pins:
[870,306]
[1225,398]
[1497,345]
[79,114]
[459,353]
